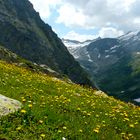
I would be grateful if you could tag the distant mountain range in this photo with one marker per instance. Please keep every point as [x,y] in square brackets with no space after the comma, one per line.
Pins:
[113,63]
[74,45]
[25,34]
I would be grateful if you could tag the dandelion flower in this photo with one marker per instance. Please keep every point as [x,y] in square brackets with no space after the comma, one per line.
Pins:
[23,111]
[42,135]
[96,130]
[80,130]
[126,119]
[18,128]
[122,133]
[59,131]
[30,105]
[64,127]
[130,135]
[23,100]
[78,109]
[131,125]
[88,114]
[40,121]
[63,138]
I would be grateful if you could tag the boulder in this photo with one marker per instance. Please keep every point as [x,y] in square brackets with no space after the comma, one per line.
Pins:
[8,105]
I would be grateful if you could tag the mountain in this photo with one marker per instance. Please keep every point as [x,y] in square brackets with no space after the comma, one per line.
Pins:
[113,63]
[25,34]
[74,45]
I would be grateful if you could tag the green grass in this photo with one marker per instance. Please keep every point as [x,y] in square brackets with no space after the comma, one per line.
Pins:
[53,109]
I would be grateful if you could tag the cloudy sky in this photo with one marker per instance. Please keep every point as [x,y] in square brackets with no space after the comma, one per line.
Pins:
[88,19]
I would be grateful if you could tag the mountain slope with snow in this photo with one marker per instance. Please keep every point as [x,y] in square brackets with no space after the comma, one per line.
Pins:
[74,46]
[114,64]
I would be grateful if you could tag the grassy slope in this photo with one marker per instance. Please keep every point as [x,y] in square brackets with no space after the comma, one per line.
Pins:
[10,57]
[54,109]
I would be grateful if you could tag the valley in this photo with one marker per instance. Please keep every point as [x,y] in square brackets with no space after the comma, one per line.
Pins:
[113,64]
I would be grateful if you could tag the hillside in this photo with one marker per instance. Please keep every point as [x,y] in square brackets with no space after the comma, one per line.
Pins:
[10,57]
[54,109]
[24,33]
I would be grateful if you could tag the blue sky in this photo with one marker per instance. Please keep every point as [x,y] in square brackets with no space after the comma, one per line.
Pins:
[89,19]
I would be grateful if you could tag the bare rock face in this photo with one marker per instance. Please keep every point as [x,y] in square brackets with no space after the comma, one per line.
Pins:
[8,105]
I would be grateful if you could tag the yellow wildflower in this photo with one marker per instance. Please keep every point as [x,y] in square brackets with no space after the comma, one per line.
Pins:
[23,111]
[131,125]
[126,119]
[18,128]
[30,105]
[40,121]
[64,127]
[59,131]
[96,130]
[88,114]
[130,135]
[78,108]
[42,135]
[23,100]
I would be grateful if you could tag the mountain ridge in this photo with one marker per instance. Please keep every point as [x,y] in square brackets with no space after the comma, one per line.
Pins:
[24,33]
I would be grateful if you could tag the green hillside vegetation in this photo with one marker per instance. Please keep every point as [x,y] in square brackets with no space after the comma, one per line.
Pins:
[11,57]
[127,81]
[55,110]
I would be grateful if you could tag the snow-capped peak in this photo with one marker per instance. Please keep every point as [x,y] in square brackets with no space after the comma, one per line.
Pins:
[76,44]
[129,35]
[73,46]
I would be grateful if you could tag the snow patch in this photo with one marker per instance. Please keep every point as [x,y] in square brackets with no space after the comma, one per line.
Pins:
[113,51]
[89,58]
[107,56]
[114,47]
[106,51]
[99,55]
[137,100]
[129,35]
[136,38]
[138,53]
[73,45]
[76,56]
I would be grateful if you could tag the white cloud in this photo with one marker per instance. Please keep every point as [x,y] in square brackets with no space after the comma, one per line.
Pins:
[137,20]
[98,13]
[44,6]
[80,37]
[103,33]
[71,16]
[111,17]
[110,32]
